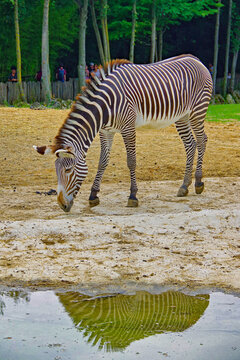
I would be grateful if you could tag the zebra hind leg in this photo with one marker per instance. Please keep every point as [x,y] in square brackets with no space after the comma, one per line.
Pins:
[106,139]
[201,137]
[185,132]
[129,138]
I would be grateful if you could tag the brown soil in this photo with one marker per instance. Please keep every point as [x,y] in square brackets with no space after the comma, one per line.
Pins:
[192,241]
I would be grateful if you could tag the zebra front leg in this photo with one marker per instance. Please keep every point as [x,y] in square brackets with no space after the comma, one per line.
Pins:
[129,138]
[106,140]
[184,130]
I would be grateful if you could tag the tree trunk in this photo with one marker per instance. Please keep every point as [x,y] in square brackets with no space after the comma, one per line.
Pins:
[106,46]
[160,44]
[156,48]
[134,19]
[227,49]
[216,47]
[18,51]
[153,36]
[233,70]
[97,33]
[46,85]
[83,10]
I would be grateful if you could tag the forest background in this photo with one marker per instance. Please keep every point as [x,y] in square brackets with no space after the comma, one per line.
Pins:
[185,29]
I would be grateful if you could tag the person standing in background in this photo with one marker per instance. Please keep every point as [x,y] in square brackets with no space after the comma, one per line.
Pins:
[38,75]
[61,74]
[13,76]
[210,68]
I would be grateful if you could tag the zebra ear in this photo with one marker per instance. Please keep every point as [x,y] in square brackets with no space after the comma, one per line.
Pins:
[65,153]
[43,150]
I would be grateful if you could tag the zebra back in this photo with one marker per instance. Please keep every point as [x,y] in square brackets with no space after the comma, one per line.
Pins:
[133,95]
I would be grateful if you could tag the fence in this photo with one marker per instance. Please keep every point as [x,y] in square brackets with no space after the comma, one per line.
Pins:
[219,84]
[9,92]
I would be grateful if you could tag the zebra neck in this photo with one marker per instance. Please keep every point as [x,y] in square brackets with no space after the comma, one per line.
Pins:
[82,125]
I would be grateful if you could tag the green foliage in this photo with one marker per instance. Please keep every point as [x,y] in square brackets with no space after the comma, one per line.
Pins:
[64,27]
[120,19]
[5,103]
[20,104]
[169,12]
[63,31]
[7,39]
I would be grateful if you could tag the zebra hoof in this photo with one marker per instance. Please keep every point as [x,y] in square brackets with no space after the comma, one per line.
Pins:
[94,202]
[183,191]
[199,188]
[132,202]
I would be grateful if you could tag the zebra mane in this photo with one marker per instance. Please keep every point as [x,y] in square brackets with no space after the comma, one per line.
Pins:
[105,70]
[91,86]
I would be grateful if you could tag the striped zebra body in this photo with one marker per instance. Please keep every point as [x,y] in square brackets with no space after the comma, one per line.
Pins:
[176,90]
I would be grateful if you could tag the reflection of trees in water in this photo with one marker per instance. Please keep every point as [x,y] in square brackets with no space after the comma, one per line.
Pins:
[16,295]
[113,322]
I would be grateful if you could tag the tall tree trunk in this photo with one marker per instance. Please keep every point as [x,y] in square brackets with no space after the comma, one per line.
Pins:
[97,32]
[153,36]
[227,48]
[216,47]
[18,51]
[134,19]
[233,69]
[46,84]
[83,12]
[160,44]
[156,48]
[105,36]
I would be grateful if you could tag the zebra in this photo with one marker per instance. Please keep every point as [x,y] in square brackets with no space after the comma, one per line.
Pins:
[175,90]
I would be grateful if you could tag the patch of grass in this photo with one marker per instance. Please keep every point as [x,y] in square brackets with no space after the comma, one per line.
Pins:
[223,113]
[20,104]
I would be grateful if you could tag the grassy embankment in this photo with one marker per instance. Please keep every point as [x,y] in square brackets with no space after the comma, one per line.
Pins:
[224,113]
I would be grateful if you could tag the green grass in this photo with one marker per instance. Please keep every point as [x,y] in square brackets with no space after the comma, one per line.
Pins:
[223,113]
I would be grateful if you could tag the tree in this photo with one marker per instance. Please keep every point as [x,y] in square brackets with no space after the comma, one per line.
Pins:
[179,35]
[227,49]
[216,47]
[235,39]
[122,23]
[166,13]
[102,42]
[97,32]
[104,24]
[134,19]
[172,12]
[83,12]
[153,32]
[46,84]
[18,51]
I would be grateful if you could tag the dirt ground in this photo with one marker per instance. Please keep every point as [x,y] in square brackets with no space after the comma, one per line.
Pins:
[192,241]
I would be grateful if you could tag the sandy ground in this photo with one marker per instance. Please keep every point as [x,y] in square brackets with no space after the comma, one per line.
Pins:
[192,241]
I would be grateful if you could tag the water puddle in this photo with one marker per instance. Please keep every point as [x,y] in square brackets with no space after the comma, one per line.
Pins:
[70,325]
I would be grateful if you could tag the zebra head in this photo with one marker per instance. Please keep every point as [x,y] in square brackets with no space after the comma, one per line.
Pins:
[71,169]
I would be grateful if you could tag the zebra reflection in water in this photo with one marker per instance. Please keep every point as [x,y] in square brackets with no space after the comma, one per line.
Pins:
[113,322]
